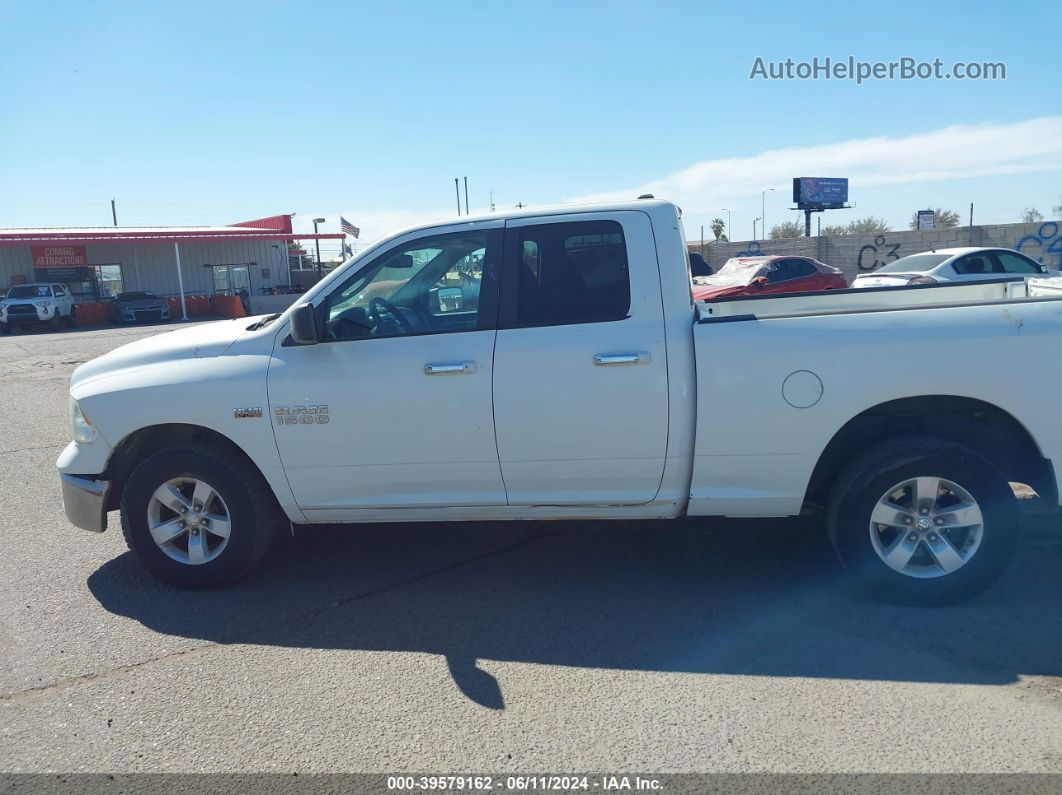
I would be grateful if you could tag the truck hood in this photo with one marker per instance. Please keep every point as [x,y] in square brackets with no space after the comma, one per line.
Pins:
[198,342]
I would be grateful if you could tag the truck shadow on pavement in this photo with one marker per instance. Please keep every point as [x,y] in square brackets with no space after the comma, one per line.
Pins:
[756,598]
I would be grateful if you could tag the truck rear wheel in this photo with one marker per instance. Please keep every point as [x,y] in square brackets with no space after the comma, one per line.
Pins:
[197,517]
[923,521]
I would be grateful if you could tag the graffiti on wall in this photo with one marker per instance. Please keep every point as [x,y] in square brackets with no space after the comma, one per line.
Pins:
[873,255]
[753,250]
[1045,246]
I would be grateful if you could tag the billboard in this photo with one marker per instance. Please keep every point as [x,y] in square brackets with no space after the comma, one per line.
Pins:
[820,193]
[926,219]
[59,263]
[58,256]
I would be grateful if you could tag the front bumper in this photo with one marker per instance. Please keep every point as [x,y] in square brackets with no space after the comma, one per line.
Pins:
[85,501]
[40,315]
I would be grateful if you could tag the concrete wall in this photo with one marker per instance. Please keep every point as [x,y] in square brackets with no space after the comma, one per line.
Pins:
[153,266]
[855,254]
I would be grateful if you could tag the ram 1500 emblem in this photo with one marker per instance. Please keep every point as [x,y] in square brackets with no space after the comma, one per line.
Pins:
[301,415]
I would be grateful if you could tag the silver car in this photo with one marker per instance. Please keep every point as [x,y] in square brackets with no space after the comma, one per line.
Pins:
[952,265]
[139,307]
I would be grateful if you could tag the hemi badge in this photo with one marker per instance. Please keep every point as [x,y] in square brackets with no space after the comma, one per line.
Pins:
[245,413]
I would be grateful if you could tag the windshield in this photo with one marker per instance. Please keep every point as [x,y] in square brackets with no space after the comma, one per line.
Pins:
[736,272]
[145,296]
[30,291]
[916,263]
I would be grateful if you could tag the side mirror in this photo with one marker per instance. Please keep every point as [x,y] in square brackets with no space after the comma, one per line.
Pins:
[303,325]
[758,283]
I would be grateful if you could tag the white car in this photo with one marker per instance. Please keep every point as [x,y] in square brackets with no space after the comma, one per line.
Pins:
[578,381]
[952,265]
[39,302]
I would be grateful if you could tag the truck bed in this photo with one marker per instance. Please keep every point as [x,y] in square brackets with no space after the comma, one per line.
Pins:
[777,377]
[873,299]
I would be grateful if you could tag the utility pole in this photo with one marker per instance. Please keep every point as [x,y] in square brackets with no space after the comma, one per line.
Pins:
[702,240]
[457,190]
[754,220]
[729,231]
[114,213]
[466,195]
[492,201]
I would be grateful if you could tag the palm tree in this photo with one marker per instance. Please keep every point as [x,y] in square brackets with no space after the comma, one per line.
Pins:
[718,225]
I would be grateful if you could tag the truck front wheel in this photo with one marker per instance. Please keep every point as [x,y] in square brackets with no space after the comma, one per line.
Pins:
[923,521]
[197,517]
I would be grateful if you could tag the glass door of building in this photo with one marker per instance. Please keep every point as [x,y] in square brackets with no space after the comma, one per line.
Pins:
[232,280]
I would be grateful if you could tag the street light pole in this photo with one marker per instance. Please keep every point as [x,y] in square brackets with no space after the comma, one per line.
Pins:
[729,231]
[754,220]
[763,210]
[317,242]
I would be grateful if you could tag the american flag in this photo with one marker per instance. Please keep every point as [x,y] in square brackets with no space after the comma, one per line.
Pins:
[348,227]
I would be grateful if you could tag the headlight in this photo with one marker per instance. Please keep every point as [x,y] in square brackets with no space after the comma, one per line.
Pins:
[43,303]
[84,430]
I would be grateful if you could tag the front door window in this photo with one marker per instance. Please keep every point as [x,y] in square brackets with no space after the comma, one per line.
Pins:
[430,286]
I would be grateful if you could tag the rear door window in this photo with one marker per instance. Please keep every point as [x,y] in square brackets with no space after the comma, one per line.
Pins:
[1015,263]
[571,272]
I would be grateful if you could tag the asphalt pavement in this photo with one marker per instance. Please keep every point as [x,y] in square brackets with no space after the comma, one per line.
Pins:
[496,648]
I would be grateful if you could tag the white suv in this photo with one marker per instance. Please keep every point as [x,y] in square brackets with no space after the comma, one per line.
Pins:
[40,302]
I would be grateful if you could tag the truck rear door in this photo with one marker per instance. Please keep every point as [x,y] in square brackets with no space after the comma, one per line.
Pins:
[580,377]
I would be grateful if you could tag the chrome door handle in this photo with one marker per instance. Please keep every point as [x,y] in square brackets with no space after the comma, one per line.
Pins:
[612,359]
[450,368]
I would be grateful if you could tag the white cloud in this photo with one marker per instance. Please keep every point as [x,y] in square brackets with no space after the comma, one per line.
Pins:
[956,152]
[950,153]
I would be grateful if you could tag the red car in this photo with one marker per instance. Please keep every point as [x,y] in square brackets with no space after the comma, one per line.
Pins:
[767,275]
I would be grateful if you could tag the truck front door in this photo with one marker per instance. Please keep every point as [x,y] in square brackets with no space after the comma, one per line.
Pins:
[392,408]
[580,377]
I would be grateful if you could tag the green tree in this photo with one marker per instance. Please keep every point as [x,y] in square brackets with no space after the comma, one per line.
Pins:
[942,219]
[862,226]
[868,226]
[1030,215]
[1056,209]
[717,226]
[786,229]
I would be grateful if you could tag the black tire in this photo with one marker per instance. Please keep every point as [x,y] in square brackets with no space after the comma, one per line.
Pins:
[69,319]
[865,481]
[5,328]
[253,513]
[55,322]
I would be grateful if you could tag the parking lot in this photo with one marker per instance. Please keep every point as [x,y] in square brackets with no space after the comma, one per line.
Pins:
[711,646]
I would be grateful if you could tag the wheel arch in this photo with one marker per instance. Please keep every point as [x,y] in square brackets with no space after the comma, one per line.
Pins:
[980,425]
[143,442]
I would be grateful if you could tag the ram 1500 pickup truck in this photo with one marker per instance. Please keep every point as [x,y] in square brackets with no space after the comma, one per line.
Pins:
[551,364]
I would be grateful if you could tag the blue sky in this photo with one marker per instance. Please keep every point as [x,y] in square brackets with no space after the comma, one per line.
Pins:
[212,113]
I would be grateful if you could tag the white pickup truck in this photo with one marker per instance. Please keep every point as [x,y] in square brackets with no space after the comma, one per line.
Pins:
[550,364]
